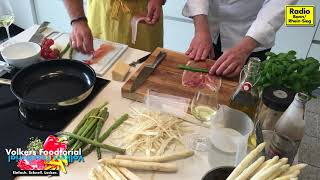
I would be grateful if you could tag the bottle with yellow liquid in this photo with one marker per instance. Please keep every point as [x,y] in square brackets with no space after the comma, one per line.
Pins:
[246,96]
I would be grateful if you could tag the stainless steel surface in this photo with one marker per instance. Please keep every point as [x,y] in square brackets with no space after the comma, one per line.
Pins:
[37,36]
[5,81]
[147,71]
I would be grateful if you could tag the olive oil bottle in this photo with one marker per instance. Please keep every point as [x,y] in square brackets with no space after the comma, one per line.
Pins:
[246,96]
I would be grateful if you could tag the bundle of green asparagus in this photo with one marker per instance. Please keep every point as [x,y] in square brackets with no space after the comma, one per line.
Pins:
[87,132]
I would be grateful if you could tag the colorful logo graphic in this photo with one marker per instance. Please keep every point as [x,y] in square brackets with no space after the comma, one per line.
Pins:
[49,155]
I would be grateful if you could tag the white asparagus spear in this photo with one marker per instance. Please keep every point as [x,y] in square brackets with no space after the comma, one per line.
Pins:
[91,175]
[246,161]
[294,167]
[97,174]
[164,158]
[249,170]
[282,169]
[295,178]
[112,173]
[130,175]
[269,171]
[118,173]
[139,165]
[292,175]
[284,160]
[104,172]
[267,164]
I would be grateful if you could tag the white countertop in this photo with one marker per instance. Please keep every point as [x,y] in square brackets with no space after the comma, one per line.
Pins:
[189,169]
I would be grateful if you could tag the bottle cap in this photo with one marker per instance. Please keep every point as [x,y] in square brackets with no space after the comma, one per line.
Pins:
[302,98]
[277,98]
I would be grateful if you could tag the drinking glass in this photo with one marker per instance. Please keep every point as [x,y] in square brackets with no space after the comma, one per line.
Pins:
[6,15]
[204,104]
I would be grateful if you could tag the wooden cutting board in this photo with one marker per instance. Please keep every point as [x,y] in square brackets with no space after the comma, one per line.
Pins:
[167,79]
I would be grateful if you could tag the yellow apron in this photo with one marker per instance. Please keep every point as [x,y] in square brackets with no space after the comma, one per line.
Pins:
[110,20]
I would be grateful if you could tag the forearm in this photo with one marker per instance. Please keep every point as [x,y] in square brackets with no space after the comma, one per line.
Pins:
[201,24]
[247,44]
[269,19]
[74,8]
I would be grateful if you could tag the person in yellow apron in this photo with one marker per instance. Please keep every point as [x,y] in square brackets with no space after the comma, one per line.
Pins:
[110,20]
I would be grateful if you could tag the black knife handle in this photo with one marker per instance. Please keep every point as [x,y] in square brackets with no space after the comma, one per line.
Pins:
[161,56]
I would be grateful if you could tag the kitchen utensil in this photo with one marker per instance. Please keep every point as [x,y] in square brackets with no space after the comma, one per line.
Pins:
[37,36]
[147,71]
[21,54]
[53,85]
[220,173]
[139,61]
[229,135]
[167,79]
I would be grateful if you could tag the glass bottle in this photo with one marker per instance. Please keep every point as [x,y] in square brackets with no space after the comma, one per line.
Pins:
[291,123]
[246,96]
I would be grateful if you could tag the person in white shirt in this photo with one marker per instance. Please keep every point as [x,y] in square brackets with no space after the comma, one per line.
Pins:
[239,29]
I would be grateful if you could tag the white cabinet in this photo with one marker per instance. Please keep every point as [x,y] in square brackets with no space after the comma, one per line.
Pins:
[177,35]
[53,11]
[178,30]
[23,12]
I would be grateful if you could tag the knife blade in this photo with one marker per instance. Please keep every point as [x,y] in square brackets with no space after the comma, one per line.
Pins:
[147,71]
[37,36]
[139,61]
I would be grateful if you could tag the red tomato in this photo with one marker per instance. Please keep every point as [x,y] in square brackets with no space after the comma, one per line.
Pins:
[44,40]
[49,42]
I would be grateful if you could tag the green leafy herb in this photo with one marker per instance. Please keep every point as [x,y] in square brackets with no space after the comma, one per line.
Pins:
[300,75]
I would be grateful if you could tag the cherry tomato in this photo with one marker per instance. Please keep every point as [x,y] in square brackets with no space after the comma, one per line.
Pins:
[49,42]
[44,40]
[56,51]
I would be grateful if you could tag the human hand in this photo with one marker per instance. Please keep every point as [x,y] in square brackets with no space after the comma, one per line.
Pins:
[154,11]
[81,37]
[232,60]
[201,47]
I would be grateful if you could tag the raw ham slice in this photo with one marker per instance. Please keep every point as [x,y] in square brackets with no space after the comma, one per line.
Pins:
[198,79]
[134,27]
[98,54]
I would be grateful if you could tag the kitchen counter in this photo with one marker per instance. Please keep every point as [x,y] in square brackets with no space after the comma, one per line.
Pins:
[189,169]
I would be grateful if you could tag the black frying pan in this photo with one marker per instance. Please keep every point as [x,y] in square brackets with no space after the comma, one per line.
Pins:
[53,85]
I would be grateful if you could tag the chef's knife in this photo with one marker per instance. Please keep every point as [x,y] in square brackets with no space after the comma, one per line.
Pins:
[139,61]
[147,71]
[37,36]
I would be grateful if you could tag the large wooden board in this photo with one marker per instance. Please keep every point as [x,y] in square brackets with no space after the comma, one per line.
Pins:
[167,78]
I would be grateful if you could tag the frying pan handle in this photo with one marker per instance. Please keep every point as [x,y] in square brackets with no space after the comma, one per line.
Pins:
[161,56]
[5,81]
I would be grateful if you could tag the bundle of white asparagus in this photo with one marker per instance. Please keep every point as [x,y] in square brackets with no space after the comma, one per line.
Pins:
[150,132]
[115,169]
[274,168]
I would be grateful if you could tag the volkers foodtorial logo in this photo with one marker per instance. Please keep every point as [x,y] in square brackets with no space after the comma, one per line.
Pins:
[300,15]
[43,158]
